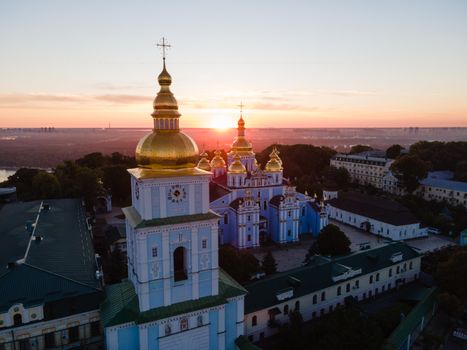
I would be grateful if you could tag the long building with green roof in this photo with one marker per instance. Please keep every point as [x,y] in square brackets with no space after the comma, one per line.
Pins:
[325,284]
[49,292]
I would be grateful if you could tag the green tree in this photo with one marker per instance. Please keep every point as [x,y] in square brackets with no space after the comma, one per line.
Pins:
[296,321]
[409,170]
[240,264]
[117,180]
[46,185]
[450,304]
[338,177]
[448,274]
[360,148]
[92,160]
[460,173]
[269,264]
[22,180]
[77,181]
[331,241]
[394,151]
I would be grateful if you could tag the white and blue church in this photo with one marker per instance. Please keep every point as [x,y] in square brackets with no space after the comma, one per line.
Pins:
[176,296]
[255,204]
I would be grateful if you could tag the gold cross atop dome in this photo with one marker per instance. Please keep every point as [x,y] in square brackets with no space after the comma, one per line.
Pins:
[241,105]
[164,45]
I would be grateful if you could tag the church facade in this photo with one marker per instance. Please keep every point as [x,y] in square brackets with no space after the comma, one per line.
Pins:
[176,296]
[255,204]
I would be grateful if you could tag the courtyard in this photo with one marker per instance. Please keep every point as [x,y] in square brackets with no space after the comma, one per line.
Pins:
[292,255]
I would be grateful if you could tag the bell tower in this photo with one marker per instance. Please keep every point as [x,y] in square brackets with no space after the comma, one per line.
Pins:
[172,235]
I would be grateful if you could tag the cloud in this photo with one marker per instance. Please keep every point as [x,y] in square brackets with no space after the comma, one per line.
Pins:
[124,99]
[116,87]
[46,99]
[269,100]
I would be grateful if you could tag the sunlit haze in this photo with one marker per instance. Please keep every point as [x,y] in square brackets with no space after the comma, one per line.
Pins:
[292,63]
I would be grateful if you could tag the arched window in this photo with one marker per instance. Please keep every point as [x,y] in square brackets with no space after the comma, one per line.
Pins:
[297,305]
[377,277]
[226,219]
[17,319]
[339,290]
[180,272]
[286,309]
[200,320]
[347,287]
[315,299]
[254,321]
[371,279]
[323,296]
[168,329]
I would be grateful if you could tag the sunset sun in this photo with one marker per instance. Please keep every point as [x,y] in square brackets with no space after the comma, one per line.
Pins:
[221,122]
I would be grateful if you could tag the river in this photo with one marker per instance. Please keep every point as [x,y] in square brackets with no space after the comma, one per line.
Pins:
[4,173]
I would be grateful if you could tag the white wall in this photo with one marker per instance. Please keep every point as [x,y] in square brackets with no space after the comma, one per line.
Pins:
[380,228]
[307,308]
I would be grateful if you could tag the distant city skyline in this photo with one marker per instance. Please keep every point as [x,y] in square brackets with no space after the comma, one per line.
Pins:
[295,64]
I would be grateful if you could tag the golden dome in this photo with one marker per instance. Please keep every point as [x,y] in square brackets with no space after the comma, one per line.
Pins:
[217,161]
[236,167]
[165,105]
[204,162]
[275,154]
[167,150]
[241,145]
[166,147]
[273,165]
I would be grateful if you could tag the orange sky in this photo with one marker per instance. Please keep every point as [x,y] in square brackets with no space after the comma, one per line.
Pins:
[315,64]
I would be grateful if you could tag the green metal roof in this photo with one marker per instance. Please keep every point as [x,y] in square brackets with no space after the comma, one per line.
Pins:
[136,221]
[14,237]
[412,320]
[121,303]
[66,248]
[32,286]
[59,266]
[318,274]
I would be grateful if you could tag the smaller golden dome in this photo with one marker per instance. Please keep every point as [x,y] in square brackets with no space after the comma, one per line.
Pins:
[275,163]
[217,161]
[236,167]
[204,162]
[275,155]
[164,77]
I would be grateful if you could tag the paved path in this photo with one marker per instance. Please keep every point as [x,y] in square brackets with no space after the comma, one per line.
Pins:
[112,217]
[287,256]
